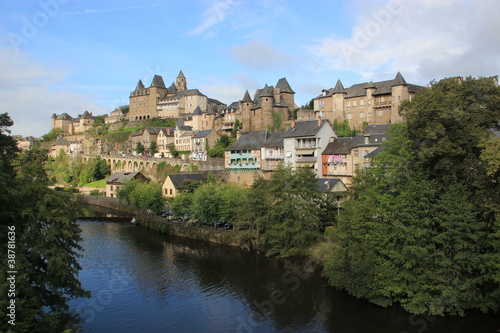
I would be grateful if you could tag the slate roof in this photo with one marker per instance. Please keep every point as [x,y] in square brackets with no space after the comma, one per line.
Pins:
[275,140]
[339,146]
[202,134]
[122,177]
[178,179]
[64,116]
[377,129]
[326,184]
[246,98]
[250,140]
[154,130]
[140,85]
[61,141]
[181,75]
[172,89]
[305,128]
[158,82]
[197,111]
[284,86]
[381,87]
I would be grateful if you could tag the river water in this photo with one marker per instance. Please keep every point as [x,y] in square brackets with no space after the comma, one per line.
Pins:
[144,281]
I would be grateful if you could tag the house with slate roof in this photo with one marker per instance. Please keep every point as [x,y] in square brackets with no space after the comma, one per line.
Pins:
[343,156]
[257,113]
[272,152]
[174,183]
[305,141]
[118,179]
[72,125]
[200,142]
[333,188]
[368,102]
[243,158]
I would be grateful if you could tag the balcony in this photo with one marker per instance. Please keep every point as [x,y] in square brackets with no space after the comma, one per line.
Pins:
[380,104]
[306,159]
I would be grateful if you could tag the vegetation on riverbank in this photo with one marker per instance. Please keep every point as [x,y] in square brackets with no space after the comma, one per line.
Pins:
[422,225]
[43,243]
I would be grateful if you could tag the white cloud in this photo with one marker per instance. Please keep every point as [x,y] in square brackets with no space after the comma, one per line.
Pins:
[424,40]
[27,93]
[258,54]
[212,16]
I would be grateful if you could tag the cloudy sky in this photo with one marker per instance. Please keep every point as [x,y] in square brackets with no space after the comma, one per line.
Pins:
[75,55]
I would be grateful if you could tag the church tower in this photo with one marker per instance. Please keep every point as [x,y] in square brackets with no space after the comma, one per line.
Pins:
[180,82]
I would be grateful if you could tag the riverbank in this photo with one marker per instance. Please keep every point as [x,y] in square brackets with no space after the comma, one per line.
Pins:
[187,230]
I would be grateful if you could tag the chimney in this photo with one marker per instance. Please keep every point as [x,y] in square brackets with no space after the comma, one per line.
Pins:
[320,121]
[292,124]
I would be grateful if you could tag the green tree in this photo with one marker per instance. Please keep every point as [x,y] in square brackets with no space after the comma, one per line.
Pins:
[294,219]
[181,206]
[139,148]
[46,240]
[153,148]
[52,135]
[173,151]
[206,203]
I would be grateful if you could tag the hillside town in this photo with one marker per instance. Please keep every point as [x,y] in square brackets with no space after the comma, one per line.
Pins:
[268,130]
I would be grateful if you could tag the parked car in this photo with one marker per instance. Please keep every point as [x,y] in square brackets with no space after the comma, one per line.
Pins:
[228,226]
[166,214]
[219,224]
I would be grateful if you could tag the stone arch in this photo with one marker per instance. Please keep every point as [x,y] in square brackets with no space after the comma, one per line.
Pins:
[184,167]
[135,166]
[141,166]
[129,166]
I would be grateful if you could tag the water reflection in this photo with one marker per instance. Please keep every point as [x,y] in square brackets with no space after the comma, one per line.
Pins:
[165,284]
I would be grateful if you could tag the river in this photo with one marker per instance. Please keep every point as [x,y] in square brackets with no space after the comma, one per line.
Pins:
[144,281]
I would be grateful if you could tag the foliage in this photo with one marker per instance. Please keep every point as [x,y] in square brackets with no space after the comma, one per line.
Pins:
[164,169]
[283,214]
[181,206]
[99,120]
[308,106]
[139,148]
[46,240]
[212,202]
[158,122]
[153,148]
[421,228]
[343,129]
[95,169]
[145,196]
[222,143]
[125,109]
[237,126]
[173,151]
[52,135]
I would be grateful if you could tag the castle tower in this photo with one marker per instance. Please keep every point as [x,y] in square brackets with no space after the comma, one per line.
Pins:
[372,115]
[180,82]
[246,105]
[399,93]
[339,94]
[266,109]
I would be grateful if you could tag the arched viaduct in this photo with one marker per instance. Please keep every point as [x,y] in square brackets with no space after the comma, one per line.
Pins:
[147,164]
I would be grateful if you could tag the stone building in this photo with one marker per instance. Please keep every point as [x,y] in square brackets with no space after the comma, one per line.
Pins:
[176,101]
[72,125]
[269,103]
[369,103]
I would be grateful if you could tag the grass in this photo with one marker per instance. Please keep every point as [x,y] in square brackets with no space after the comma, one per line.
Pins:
[99,183]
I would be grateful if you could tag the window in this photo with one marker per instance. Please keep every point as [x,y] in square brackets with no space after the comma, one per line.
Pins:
[321,103]
[361,102]
[356,153]
[111,187]
[349,116]
[353,103]
[361,115]
[380,113]
[170,191]
[348,103]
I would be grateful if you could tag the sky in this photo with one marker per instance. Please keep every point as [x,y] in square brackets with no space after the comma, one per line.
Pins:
[74,55]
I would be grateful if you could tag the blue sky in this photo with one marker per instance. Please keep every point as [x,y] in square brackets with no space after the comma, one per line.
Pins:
[74,55]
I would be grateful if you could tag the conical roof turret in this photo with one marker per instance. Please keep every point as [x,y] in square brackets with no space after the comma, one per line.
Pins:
[339,88]
[399,80]
[140,85]
[246,98]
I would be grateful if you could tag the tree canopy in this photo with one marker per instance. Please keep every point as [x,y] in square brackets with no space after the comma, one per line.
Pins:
[421,228]
[46,241]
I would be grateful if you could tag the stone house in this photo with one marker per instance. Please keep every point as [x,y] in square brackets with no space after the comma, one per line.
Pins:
[305,141]
[343,156]
[243,158]
[333,188]
[269,102]
[272,153]
[200,142]
[368,102]
[118,179]
[173,184]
